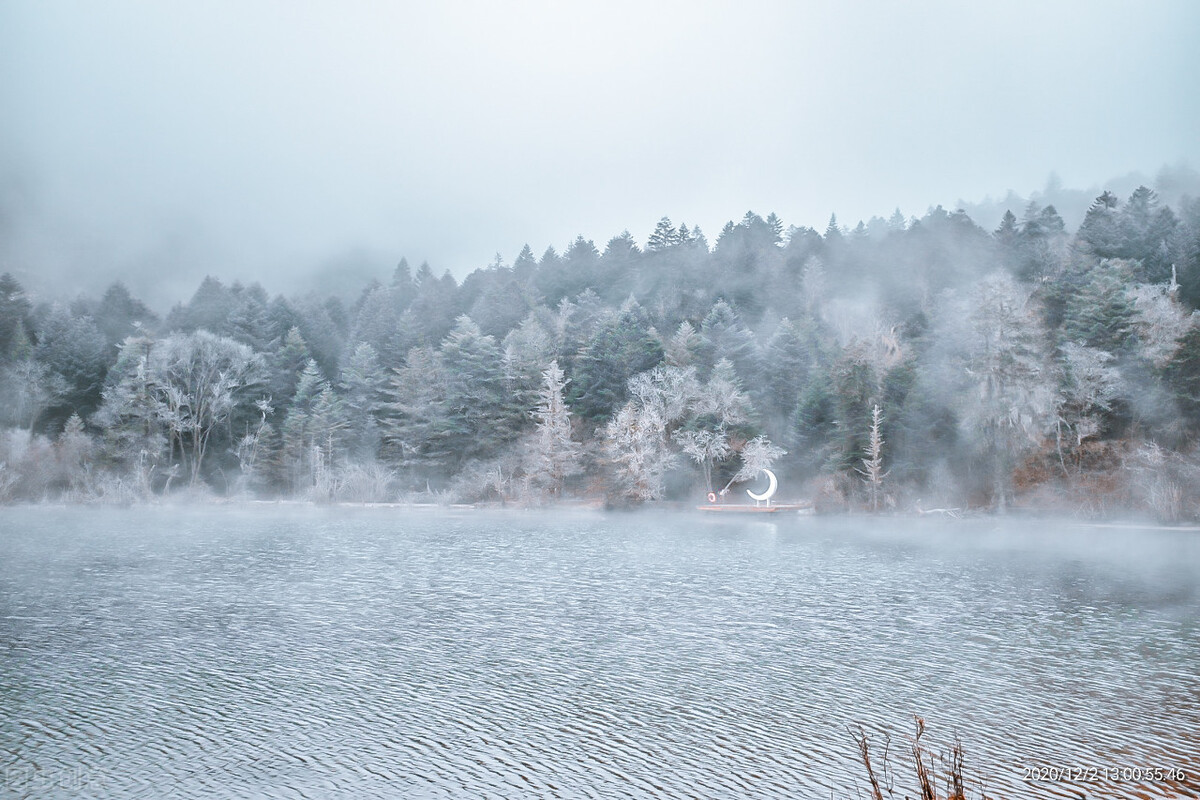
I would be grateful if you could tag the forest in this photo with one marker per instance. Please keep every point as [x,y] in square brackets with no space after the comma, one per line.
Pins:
[904,364]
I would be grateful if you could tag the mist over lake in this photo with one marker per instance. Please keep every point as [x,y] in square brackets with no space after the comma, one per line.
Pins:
[282,651]
[599,400]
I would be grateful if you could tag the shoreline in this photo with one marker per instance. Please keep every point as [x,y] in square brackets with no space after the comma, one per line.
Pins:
[681,508]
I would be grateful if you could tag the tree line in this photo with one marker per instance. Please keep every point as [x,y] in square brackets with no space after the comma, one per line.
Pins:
[902,363]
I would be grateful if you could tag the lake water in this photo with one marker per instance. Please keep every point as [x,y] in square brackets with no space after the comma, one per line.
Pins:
[295,652]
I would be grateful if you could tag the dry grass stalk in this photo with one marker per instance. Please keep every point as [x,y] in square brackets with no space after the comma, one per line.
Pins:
[864,751]
[924,761]
[923,776]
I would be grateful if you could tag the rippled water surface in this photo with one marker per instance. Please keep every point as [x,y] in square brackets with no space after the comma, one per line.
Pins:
[286,652]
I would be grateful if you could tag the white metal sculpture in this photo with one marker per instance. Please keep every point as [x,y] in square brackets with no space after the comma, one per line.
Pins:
[769,493]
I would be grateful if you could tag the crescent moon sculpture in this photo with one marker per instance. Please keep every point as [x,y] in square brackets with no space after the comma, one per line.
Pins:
[769,493]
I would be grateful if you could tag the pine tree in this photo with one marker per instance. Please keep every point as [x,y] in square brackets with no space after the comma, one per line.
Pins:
[525,266]
[415,411]
[1009,399]
[364,387]
[285,366]
[1183,376]
[788,361]
[552,456]
[16,323]
[132,415]
[1102,315]
[478,413]
[119,315]
[304,431]
[75,351]
[663,237]
[73,452]
[623,346]
[724,335]
[684,348]
[1100,228]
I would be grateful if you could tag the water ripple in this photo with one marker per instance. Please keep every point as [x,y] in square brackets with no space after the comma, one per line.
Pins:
[364,653]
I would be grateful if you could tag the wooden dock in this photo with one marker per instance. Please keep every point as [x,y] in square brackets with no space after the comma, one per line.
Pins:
[774,508]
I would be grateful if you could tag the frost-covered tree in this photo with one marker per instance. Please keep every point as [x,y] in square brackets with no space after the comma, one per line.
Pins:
[363,388]
[73,451]
[622,346]
[551,455]
[27,389]
[74,350]
[16,319]
[1160,320]
[480,413]
[706,448]
[315,434]
[254,446]
[663,237]
[635,442]
[132,414]
[872,471]
[200,379]
[414,411]
[1101,314]
[1092,384]
[1008,399]
[723,398]
[671,391]
[683,348]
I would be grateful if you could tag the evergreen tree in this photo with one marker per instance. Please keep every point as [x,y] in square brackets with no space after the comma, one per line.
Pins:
[815,426]
[120,315]
[285,365]
[1100,229]
[855,391]
[132,415]
[364,386]
[1007,236]
[314,434]
[500,307]
[1102,315]
[1185,253]
[622,346]
[208,309]
[250,320]
[415,410]
[552,456]
[663,237]
[1183,377]
[525,267]
[724,335]
[479,414]
[75,351]
[1008,398]
[16,320]
[788,361]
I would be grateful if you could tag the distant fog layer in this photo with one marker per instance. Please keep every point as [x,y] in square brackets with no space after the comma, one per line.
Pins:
[903,364]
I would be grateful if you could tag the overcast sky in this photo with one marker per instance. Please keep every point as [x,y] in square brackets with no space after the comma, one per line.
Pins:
[253,140]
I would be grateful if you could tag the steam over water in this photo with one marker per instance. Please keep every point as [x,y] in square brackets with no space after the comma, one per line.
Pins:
[385,652]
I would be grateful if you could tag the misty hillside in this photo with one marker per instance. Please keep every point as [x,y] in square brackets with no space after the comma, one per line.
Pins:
[903,363]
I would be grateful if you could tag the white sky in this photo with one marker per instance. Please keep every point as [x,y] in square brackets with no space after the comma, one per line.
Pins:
[255,139]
